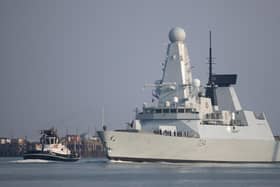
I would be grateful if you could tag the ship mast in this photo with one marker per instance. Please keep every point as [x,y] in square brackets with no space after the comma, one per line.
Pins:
[211,87]
[210,60]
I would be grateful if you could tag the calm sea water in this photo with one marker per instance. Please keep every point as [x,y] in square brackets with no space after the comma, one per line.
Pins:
[93,172]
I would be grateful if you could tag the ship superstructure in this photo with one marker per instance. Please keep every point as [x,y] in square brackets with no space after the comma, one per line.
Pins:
[189,122]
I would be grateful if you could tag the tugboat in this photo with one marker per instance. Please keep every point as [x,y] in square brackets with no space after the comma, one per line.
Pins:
[51,149]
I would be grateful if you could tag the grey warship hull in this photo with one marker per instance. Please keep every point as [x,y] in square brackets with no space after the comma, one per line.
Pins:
[145,147]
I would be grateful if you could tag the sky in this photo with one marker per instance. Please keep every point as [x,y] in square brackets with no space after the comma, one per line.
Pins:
[61,62]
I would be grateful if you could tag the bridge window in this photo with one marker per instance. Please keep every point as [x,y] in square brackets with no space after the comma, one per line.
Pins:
[180,110]
[165,110]
[259,116]
[188,110]
[158,110]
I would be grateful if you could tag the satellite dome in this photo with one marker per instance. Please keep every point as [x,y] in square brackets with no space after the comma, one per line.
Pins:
[177,34]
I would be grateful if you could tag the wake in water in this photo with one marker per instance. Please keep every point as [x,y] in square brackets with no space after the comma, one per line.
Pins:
[95,160]
[28,161]
[199,164]
[119,161]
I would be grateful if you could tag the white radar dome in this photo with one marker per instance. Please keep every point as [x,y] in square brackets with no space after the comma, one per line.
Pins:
[167,104]
[175,99]
[196,83]
[177,34]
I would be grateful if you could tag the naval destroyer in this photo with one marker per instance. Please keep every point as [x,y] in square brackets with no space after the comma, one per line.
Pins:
[192,123]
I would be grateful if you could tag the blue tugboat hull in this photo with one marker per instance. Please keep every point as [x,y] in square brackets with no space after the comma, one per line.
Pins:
[50,156]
